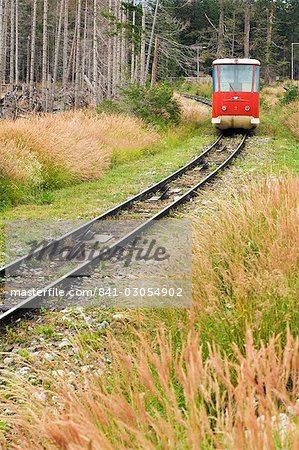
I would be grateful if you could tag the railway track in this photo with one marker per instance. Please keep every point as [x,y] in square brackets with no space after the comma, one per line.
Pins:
[150,205]
[199,99]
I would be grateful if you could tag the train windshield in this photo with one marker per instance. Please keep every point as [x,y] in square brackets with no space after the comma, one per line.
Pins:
[236,78]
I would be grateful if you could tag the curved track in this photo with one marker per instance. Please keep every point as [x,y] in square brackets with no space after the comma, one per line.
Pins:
[203,100]
[190,178]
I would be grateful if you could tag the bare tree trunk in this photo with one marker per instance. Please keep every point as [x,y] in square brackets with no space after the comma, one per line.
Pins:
[17,44]
[123,47]
[246,28]
[32,56]
[12,46]
[95,52]
[78,54]
[83,66]
[143,42]
[1,45]
[65,45]
[234,34]
[6,14]
[149,51]
[133,43]
[269,42]
[28,61]
[155,62]
[45,56]
[118,45]
[57,43]
[137,68]
[72,54]
[110,56]
[220,47]
[114,59]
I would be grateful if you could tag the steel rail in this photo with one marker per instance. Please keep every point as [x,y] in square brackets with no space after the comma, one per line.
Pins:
[83,229]
[197,98]
[88,266]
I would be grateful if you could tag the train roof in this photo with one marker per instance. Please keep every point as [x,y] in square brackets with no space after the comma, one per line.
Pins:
[237,61]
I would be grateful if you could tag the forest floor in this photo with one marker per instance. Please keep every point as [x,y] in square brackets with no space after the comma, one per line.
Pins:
[151,378]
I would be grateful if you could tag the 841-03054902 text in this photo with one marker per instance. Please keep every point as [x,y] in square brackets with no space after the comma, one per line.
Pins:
[101,292]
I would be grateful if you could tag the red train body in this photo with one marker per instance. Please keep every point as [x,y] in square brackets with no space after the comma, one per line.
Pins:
[236,98]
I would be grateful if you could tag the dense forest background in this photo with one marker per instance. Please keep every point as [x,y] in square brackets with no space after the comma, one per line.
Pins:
[81,51]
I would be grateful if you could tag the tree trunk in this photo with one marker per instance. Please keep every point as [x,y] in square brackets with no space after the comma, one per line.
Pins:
[32,55]
[133,43]
[143,43]
[6,14]
[149,51]
[123,46]
[45,56]
[78,55]
[17,45]
[234,34]
[28,61]
[155,62]
[72,55]
[220,47]
[1,45]
[114,60]
[12,46]
[95,53]
[65,47]
[118,40]
[109,56]
[83,65]
[57,43]
[269,42]
[246,28]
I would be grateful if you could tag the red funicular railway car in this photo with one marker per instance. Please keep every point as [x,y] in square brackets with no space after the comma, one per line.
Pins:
[236,95]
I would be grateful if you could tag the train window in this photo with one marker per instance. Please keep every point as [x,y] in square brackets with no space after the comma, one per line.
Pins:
[257,79]
[215,79]
[235,78]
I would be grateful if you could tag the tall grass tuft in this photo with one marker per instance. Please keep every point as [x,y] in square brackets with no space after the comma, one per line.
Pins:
[165,399]
[246,264]
[192,112]
[292,118]
[51,151]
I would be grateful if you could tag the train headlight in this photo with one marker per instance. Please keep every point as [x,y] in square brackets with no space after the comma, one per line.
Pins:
[247,108]
[224,108]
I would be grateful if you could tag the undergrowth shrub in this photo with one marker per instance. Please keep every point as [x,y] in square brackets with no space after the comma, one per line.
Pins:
[156,105]
[197,88]
[291,94]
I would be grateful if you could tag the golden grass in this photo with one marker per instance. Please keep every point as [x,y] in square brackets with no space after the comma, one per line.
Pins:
[165,399]
[271,94]
[192,112]
[292,117]
[173,387]
[77,144]
[246,262]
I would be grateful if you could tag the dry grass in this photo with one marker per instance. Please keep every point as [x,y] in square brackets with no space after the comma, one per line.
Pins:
[246,264]
[292,117]
[178,388]
[74,146]
[192,112]
[165,398]
[271,94]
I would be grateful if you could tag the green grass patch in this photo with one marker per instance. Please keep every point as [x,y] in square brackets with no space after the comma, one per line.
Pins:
[124,179]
